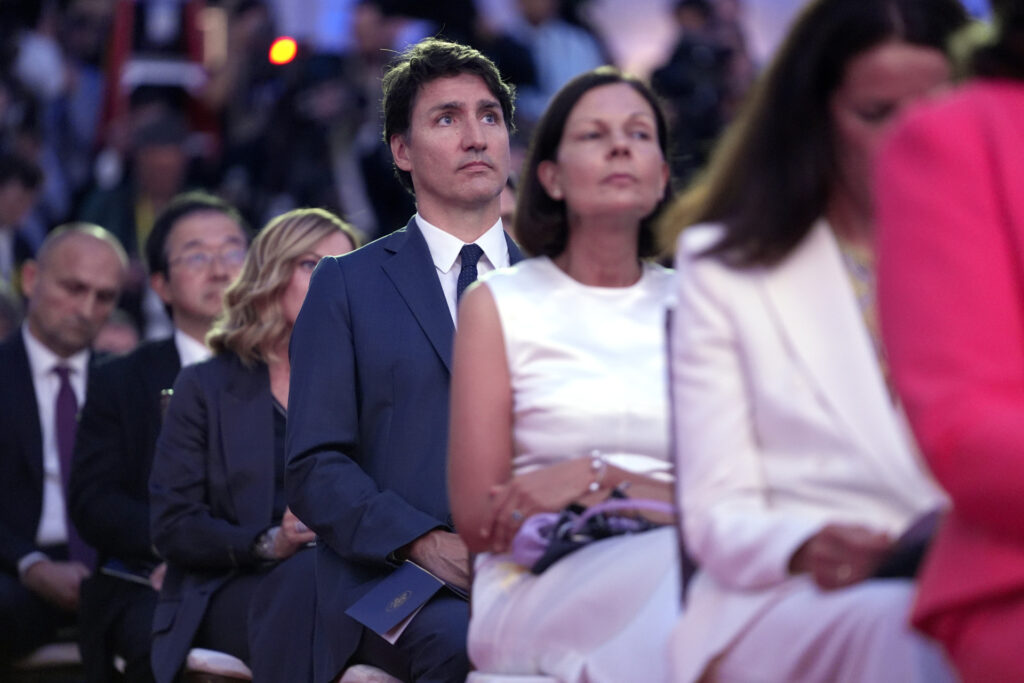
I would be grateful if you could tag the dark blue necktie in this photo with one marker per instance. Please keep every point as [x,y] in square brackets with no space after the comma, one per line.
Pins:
[470,255]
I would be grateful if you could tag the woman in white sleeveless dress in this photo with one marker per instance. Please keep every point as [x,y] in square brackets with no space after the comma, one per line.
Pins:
[559,394]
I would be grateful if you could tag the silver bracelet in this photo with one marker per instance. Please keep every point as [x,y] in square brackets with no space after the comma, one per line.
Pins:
[264,546]
[598,468]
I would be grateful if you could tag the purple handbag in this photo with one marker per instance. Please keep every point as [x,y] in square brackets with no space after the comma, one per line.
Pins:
[547,537]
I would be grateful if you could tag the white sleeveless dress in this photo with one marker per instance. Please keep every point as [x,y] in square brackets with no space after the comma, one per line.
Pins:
[588,373]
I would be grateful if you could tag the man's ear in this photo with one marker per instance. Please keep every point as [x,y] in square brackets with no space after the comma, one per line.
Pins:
[29,272]
[158,281]
[400,152]
[547,174]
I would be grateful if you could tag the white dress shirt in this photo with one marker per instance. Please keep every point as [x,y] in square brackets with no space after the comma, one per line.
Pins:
[444,250]
[190,351]
[53,521]
[6,256]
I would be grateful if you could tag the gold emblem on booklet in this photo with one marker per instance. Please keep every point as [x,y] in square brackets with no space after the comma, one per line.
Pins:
[398,601]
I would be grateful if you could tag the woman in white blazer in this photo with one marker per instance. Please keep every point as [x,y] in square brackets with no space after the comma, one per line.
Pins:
[796,473]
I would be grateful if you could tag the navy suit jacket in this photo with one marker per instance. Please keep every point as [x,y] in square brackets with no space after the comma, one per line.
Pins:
[368,420]
[21,455]
[108,496]
[109,489]
[211,494]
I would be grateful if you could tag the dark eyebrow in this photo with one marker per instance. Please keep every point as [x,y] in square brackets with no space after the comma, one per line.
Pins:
[444,106]
[481,104]
[191,243]
[198,244]
[640,115]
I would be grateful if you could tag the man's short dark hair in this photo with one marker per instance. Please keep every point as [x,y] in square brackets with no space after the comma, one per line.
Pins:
[181,206]
[422,63]
[702,7]
[25,171]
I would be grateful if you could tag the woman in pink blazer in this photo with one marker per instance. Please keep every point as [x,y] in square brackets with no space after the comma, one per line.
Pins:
[951,290]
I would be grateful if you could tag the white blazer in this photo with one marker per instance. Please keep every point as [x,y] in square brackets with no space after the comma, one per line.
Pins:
[783,425]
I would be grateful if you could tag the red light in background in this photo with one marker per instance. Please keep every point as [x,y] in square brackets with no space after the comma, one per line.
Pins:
[283,50]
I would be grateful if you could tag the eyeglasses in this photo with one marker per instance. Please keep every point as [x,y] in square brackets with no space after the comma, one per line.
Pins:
[201,260]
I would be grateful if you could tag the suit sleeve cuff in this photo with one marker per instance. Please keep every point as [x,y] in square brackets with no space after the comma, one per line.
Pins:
[399,555]
[29,560]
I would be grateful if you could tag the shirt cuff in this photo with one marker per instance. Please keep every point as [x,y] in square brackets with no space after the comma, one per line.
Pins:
[29,560]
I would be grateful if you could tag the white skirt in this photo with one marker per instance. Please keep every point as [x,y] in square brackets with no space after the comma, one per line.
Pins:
[601,614]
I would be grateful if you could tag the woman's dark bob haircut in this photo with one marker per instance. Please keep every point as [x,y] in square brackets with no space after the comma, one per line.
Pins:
[542,225]
[770,176]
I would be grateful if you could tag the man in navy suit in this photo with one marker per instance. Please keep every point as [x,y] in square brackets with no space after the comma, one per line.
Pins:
[72,288]
[194,251]
[370,355]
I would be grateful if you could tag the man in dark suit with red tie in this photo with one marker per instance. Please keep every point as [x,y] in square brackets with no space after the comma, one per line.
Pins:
[72,288]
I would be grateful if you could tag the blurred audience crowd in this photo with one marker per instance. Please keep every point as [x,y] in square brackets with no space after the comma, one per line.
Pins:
[108,109]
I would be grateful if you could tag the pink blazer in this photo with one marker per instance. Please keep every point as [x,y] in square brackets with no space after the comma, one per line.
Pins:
[951,289]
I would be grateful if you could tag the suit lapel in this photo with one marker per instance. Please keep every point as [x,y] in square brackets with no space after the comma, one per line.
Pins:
[412,271]
[155,375]
[247,436]
[166,365]
[817,311]
[514,254]
[25,412]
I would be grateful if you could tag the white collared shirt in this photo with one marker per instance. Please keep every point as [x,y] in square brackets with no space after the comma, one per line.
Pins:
[41,360]
[6,255]
[444,250]
[190,351]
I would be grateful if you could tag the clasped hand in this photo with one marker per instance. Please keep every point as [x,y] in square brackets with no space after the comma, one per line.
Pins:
[444,555]
[292,535]
[548,489]
[56,582]
[841,555]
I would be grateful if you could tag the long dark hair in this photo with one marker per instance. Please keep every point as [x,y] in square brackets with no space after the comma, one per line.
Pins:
[1005,57]
[770,176]
[541,224]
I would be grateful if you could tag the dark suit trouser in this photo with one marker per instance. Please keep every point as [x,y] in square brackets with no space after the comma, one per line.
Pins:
[26,620]
[266,620]
[432,649]
[225,625]
[116,618]
[281,617]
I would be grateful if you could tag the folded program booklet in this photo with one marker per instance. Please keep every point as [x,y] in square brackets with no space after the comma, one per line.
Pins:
[389,607]
[135,573]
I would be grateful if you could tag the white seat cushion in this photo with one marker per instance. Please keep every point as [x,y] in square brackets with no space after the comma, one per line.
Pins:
[364,673]
[51,655]
[201,660]
[481,677]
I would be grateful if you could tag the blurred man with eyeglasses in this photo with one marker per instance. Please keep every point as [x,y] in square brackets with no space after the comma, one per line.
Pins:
[194,251]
